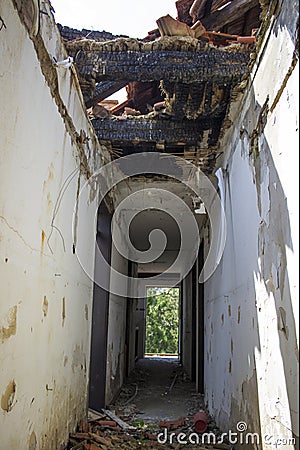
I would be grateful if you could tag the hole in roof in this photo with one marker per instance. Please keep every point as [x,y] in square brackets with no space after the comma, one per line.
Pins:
[120,95]
[223,6]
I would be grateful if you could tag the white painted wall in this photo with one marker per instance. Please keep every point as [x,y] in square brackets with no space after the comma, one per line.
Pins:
[187,312]
[251,302]
[116,350]
[45,295]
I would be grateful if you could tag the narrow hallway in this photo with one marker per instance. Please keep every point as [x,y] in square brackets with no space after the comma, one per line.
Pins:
[149,225]
[157,408]
[163,391]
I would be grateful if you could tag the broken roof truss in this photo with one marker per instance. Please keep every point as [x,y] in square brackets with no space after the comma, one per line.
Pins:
[189,72]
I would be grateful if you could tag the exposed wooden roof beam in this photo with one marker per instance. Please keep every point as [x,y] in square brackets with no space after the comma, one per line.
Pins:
[235,10]
[183,66]
[103,90]
[139,129]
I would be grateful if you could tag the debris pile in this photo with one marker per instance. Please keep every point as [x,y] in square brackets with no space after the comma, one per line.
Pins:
[107,431]
[125,426]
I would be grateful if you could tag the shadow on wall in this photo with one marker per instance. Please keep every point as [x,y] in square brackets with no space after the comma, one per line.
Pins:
[271,270]
[240,285]
[253,281]
[275,230]
[274,239]
[289,21]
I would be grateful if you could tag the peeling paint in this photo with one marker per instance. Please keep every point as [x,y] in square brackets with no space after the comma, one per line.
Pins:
[49,202]
[63,311]
[282,323]
[30,333]
[9,328]
[8,396]
[43,241]
[86,312]
[32,441]
[229,310]
[76,215]
[247,411]
[287,76]
[79,359]
[45,306]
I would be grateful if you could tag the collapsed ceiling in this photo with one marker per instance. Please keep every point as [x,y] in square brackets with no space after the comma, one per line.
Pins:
[179,80]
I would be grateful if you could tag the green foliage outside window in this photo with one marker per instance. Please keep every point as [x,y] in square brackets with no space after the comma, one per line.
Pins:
[162,320]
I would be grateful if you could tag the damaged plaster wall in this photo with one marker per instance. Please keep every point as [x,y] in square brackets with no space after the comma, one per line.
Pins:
[251,303]
[116,349]
[187,313]
[46,296]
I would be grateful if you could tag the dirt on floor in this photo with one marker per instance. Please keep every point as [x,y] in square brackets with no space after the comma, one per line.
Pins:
[155,409]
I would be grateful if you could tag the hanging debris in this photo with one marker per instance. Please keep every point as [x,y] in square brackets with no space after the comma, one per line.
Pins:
[179,79]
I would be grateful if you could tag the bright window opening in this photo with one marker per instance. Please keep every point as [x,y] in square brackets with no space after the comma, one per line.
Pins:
[162,321]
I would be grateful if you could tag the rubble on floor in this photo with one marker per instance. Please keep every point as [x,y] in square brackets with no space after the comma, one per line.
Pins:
[125,426]
[103,433]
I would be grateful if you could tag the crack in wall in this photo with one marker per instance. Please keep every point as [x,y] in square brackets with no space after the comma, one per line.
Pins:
[287,76]
[18,234]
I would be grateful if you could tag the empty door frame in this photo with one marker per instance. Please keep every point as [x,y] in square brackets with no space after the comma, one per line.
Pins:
[97,385]
[200,324]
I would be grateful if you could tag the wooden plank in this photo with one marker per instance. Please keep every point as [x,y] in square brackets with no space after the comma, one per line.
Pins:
[120,106]
[197,9]
[138,129]
[121,423]
[216,4]
[79,446]
[170,27]
[104,90]
[183,8]
[181,66]
[94,415]
[235,10]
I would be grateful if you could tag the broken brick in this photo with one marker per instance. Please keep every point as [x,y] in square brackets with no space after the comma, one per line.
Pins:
[94,447]
[151,436]
[100,439]
[172,424]
[79,435]
[107,423]
[246,39]
[81,446]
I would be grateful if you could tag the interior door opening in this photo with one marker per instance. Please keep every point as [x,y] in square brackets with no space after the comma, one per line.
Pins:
[162,322]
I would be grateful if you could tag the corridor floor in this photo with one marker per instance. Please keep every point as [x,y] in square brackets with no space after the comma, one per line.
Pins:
[158,401]
[160,390]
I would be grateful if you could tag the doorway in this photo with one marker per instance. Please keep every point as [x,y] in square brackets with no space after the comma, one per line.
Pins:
[98,355]
[162,321]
